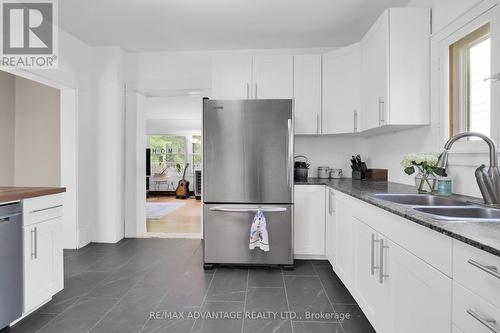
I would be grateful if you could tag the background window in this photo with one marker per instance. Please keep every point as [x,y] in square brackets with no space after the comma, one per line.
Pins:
[470,62]
[167,152]
[196,141]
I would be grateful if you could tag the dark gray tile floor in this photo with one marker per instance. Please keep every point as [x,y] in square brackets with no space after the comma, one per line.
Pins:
[115,288]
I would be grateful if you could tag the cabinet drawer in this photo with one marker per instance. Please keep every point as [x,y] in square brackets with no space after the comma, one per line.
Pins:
[478,271]
[472,314]
[41,209]
[419,240]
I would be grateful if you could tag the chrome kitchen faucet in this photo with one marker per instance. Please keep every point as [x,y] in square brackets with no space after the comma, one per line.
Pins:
[488,179]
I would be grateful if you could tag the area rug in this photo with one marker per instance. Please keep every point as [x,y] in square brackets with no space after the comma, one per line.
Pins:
[157,210]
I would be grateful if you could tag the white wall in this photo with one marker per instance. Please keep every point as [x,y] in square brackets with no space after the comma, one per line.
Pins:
[135,165]
[166,115]
[334,152]
[110,114]
[7,125]
[37,135]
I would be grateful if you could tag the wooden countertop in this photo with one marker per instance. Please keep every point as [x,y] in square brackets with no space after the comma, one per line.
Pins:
[14,193]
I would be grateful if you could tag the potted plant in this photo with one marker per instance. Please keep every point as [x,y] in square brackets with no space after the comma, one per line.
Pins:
[426,164]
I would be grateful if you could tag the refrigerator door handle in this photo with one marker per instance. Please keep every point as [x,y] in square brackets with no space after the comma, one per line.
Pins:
[249,210]
[289,165]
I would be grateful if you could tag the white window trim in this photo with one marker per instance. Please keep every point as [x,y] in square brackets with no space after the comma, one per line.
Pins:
[486,11]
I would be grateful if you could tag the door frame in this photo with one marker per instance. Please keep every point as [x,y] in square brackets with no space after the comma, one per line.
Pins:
[68,111]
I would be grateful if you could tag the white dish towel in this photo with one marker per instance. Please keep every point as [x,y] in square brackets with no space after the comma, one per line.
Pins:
[258,232]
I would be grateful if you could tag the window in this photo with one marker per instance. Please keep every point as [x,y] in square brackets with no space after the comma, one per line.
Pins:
[470,62]
[196,141]
[168,152]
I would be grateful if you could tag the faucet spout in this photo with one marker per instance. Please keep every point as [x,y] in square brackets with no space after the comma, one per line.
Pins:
[488,179]
[491,145]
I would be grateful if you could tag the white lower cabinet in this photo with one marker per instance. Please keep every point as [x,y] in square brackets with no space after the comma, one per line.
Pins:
[344,242]
[331,226]
[43,257]
[397,290]
[309,220]
[419,295]
[366,288]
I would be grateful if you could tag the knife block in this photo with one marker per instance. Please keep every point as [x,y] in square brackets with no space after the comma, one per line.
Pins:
[377,174]
[358,175]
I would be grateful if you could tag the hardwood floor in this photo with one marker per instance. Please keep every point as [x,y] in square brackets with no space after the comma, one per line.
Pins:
[184,220]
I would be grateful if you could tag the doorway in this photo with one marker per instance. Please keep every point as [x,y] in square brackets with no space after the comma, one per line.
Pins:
[172,159]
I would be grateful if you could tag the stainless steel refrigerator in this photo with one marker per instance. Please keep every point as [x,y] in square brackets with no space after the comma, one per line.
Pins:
[248,148]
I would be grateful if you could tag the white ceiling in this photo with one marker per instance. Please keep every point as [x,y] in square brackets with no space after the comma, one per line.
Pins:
[175,25]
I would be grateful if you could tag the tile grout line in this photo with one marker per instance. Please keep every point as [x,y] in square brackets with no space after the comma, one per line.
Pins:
[82,296]
[245,305]
[204,299]
[118,302]
[327,297]
[286,296]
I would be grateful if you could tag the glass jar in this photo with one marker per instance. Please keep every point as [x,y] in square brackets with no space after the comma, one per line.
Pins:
[425,182]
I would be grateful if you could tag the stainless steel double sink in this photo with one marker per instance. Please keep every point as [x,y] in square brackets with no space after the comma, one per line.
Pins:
[444,208]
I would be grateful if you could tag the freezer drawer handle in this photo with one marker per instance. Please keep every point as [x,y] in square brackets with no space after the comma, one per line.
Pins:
[249,210]
[488,322]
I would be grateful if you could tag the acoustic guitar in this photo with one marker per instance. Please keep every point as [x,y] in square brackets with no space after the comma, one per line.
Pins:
[182,190]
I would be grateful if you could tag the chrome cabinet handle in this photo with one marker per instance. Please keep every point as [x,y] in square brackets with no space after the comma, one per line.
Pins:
[355,121]
[44,209]
[381,274]
[255,93]
[36,243]
[488,322]
[32,242]
[248,90]
[490,269]
[317,124]
[249,210]
[372,265]
[381,111]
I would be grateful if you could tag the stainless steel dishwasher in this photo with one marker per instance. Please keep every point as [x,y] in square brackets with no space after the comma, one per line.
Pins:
[11,263]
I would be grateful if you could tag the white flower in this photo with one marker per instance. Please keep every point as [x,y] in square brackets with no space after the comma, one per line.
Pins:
[429,159]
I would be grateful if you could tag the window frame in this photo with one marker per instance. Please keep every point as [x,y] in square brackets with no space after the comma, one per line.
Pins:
[459,89]
[487,12]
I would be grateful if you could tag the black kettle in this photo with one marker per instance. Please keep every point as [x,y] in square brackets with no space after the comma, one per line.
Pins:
[300,168]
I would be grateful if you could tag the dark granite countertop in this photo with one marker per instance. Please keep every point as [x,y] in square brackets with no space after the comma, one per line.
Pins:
[483,235]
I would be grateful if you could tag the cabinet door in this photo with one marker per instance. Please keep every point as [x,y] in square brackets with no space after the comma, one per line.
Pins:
[272,77]
[307,93]
[331,228]
[309,220]
[231,77]
[341,90]
[366,286]
[344,239]
[43,262]
[420,295]
[374,68]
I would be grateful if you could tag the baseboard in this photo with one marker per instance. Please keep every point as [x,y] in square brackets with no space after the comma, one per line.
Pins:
[309,257]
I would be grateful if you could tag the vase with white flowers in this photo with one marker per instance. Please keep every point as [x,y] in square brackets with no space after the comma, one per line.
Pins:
[426,164]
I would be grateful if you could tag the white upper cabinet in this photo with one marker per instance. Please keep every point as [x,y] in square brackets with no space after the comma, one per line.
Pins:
[247,77]
[307,93]
[231,77]
[395,69]
[341,90]
[272,77]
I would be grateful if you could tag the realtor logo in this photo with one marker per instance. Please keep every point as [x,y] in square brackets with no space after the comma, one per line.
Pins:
[29,33]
